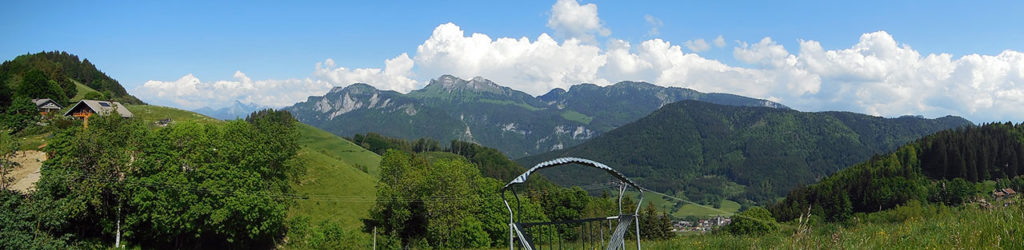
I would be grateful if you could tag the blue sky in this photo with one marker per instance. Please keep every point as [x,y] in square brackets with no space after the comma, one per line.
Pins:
[177,53]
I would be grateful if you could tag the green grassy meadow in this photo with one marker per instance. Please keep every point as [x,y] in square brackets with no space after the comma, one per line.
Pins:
[82,90]
[151,114]
[908,227]
[576,116]
[334,188]
[727,208]
[339,149]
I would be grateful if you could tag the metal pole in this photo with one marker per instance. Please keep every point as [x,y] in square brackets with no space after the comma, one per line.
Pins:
[636,216]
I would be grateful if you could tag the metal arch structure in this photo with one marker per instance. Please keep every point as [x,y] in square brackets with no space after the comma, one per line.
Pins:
[616,241]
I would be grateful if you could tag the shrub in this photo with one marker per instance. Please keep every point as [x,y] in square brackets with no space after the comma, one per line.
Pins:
[754,221]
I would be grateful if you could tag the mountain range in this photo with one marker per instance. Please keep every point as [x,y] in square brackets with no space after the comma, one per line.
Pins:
[479,110]
[706,152]
[237,110]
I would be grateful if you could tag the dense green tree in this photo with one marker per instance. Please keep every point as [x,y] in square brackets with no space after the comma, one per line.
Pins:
[96,96]
[18,228]
[441,202]
[82,188]
[5,92]
[35,85]
[426,145]
[8,149]
[380,144]
[327,234]
[491,162]
[655,225]
[189,184]
[21,114]
[753,221]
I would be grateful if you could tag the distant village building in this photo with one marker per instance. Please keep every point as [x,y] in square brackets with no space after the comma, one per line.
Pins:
[46,105]
[701,225]
[87,108]
[1002,193]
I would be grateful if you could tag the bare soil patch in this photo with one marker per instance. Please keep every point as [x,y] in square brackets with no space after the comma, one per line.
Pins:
[26,175]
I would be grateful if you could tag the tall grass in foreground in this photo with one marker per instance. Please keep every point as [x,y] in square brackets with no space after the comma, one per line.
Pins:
[913,226]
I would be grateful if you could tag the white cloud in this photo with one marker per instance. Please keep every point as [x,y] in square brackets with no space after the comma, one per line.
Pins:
[396,74]
[698,45]
[655,24]
[532,66]
[719,41]
[880,76]
[189,92]
[572,20]
[764,53]
[877,75]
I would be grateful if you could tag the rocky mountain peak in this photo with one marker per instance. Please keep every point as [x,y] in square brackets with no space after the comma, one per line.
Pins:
[355,89]
[450,84]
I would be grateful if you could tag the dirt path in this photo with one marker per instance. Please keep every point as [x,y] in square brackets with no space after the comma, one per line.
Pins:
[26,175]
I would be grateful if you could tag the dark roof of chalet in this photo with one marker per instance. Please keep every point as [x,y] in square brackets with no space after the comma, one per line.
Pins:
[44,101]
[101,107]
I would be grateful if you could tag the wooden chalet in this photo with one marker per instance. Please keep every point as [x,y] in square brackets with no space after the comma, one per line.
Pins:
[86,108]
[46,105]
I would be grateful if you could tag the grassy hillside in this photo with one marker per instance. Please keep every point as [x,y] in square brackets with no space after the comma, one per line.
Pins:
[82,90]
[339,149]
[908,227]
[726,208]
[334,188]
[150,114]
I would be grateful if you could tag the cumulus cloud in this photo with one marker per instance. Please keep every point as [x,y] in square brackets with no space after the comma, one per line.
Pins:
[655,23]
[532,66]
[190,92]
[572,20]
[877,75]
[765,53]
[396,74]
[880,76]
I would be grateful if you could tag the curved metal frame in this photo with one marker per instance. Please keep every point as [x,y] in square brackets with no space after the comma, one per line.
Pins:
[514,230]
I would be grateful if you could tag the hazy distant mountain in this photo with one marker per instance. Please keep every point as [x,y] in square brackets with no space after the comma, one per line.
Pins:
[237,110]
[482,111]
[703,150]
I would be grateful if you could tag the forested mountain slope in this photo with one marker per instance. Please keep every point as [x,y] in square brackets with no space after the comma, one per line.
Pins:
[479,110]
[706,152]
[945,168]
[54,75]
